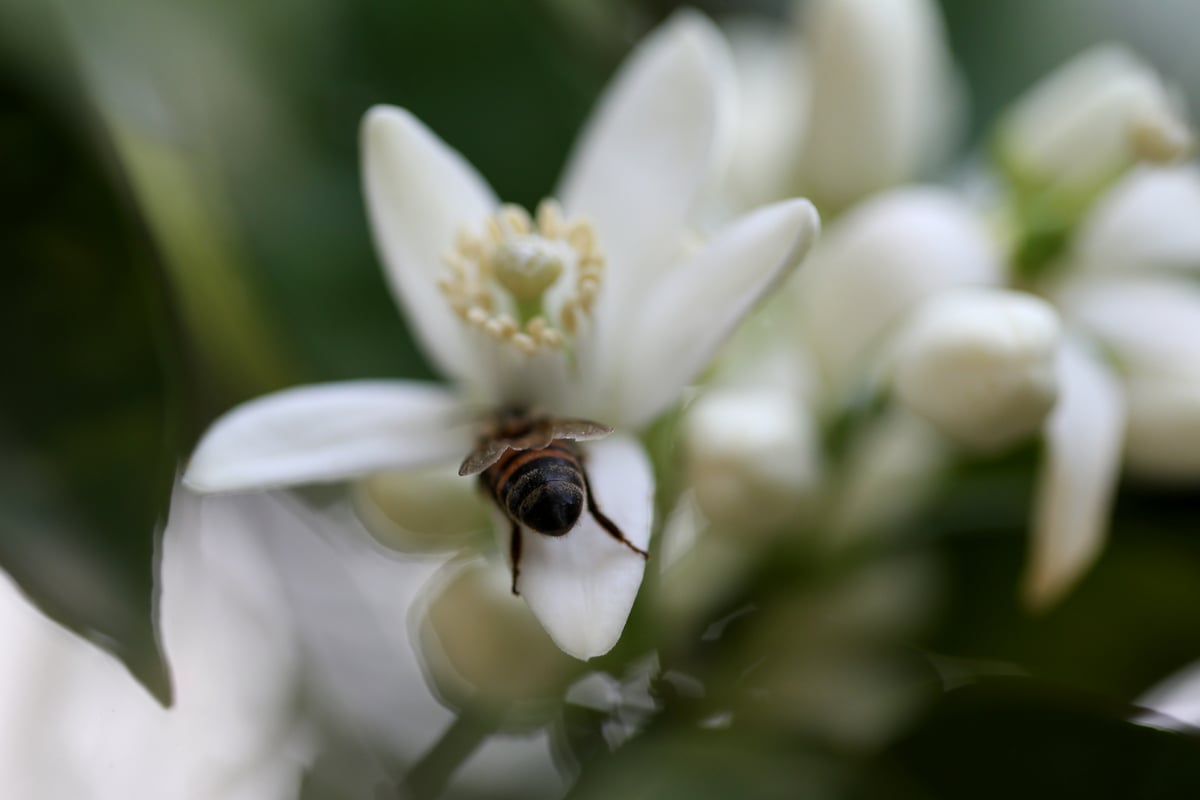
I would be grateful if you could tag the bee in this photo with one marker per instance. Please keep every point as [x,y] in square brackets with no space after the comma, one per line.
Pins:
[532,468]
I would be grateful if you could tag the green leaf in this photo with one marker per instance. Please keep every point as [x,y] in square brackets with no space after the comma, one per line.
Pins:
[86,460]
[1008,738]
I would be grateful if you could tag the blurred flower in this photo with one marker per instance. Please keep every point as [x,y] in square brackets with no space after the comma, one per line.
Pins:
[605,318]
[1085,123]
[858,96]
[74,723]
[979,364]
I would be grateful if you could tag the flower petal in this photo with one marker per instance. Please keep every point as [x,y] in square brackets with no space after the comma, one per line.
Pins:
[581,586]
[1150,219]
[1152,324]
[692,310]
[773,93]
[650,148]
[419,194]
[885,100]
[1078,475]
[314,434]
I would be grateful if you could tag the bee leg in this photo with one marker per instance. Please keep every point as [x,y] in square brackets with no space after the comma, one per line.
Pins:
[605,522]
[515,552]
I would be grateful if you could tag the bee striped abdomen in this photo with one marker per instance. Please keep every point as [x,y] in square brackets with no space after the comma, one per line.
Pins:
[542,488]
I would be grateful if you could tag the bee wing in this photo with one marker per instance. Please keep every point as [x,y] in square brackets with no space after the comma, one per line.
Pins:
[579,430]
[487,453]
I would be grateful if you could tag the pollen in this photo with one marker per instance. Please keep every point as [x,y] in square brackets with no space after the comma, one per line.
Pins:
[524,279]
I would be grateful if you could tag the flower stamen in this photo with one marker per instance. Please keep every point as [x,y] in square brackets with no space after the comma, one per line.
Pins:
[526,280]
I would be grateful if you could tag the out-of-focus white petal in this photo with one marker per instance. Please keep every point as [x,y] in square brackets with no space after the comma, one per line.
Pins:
[581,586]
[875,263]
[1078,477]
[1149,219]
[752,457]
[1174,704]
[71,715]
[686,316]
[420,193]
[1152,326]
[979,364]
[1089,119]
[330,432]
[657,138]
[774,92]
[885,101]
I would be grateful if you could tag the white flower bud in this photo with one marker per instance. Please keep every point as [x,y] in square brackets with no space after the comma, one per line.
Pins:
[877,262]
[480,643]
[979,365]
[421,509]
[1149,219]
[751,457]
[885,100]
[1100,112]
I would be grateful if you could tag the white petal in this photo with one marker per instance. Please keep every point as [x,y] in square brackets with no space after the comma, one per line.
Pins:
[1175,702]
[420,193]
[1152,325]
[688,314]
[1078,477]
[314,434]
[651,146]
[879,260]
[773,92]
[884,98]
[581,586]
[1150,219]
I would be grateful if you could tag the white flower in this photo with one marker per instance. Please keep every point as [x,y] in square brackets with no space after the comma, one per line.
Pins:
[1097,114]
[592,308]
[877,263]
[979,364]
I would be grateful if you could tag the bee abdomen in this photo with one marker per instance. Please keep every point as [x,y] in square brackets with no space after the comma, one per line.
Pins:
[542,488]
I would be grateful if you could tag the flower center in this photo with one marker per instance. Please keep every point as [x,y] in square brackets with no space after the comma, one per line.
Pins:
[524,281]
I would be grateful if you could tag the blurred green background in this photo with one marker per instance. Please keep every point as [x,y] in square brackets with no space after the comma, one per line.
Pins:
[183,229]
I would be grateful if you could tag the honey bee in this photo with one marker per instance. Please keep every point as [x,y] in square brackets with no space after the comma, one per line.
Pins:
[533,470]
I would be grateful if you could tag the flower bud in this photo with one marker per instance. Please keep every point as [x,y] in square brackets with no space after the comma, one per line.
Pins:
[480,643]
[1093,117]
[421,509]
[751,457]
[979,365]
[885,100]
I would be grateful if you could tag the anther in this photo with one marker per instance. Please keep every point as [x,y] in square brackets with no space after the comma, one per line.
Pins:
[525,343]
